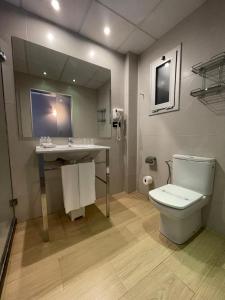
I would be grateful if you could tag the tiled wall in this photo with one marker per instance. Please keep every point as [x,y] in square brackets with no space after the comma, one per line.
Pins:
[194,129]
[14,22]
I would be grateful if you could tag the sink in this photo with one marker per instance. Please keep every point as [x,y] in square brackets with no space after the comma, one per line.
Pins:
[86,146]
[69,148]
[73,151]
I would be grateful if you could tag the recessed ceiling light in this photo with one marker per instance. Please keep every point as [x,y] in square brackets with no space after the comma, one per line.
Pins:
[44,73]
[55,5]
[74,80]
[107,30]
[50,36]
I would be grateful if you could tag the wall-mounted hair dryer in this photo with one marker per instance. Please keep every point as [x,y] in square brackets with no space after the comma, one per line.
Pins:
[2,56]
[117,116]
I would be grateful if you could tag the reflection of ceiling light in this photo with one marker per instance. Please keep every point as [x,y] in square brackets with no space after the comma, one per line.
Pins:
[54,112]
[161,84]
[50,36]
[74,80]
[92,53]
[44,73]
[107,30]
[167,65]
[55,5]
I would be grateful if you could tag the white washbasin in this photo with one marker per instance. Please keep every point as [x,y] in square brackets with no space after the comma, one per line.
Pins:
[86,146]
[69,148]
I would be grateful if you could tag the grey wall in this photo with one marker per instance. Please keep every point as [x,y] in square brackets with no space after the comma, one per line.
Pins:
[84,108]
[131,80]
[103,102]
[6,213]
[194,129]
[14,22]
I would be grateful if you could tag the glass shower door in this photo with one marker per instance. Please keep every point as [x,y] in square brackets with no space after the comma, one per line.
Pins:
[6,212]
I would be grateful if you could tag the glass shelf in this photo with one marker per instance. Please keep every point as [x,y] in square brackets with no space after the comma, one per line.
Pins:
[217,89]
[216,62]
[213,79]
[213,69]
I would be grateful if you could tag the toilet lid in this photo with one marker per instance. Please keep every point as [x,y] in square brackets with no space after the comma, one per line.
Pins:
[175,196]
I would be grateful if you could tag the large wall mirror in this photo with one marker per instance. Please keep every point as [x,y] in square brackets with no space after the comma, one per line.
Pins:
[59,95]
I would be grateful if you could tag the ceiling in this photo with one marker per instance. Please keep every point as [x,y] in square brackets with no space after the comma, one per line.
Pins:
[135,24]
[32,59]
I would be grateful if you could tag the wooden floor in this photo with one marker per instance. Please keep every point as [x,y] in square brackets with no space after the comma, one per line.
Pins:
[123,257]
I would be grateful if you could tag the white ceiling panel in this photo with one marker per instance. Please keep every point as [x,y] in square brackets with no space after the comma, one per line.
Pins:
[167,14]
[134,24]
[71,14]
[94,84]
[41,59]
[133,10]
[137,42]
[97,18]
[79,70]
[102,75]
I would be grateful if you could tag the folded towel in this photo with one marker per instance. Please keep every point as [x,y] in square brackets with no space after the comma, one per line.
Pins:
[48,145]
[87,183]
[70,182]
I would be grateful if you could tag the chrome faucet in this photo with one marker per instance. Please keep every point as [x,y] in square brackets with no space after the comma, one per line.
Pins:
[70,142]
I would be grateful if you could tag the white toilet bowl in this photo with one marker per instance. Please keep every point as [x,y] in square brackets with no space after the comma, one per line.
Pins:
[180,204]
[180,211]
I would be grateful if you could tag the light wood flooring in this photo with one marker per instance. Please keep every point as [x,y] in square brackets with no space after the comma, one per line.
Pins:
[123,257]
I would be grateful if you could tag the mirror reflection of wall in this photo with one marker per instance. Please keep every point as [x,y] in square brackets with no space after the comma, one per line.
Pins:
[43,77]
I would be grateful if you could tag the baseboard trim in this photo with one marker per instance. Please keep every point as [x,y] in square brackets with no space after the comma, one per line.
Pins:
[6,253]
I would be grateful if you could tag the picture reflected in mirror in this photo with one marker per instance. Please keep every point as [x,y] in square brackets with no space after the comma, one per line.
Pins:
[51,114]
[59,95]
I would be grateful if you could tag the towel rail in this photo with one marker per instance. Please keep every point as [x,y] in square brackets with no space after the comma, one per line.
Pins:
[102,180]
[42,168]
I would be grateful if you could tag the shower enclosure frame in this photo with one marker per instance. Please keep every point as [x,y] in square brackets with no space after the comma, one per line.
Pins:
[12,202]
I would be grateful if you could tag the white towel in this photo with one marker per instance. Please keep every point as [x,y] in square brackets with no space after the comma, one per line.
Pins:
[70,182]
[87,183]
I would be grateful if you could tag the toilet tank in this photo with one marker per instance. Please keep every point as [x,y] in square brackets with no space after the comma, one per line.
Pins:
[194,173]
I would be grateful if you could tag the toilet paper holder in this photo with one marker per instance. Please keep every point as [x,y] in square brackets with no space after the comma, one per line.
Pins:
[151,160]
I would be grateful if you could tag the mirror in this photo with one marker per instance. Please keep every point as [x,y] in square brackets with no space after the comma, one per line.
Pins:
[59,95]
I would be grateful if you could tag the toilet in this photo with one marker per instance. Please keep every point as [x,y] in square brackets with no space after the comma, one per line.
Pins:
[180,204]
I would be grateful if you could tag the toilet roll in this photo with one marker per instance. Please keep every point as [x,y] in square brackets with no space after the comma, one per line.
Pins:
[147,180]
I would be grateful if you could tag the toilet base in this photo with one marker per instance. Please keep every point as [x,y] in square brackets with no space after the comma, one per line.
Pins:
[180,230]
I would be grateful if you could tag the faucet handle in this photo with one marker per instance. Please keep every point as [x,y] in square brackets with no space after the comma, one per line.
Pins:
[70,140]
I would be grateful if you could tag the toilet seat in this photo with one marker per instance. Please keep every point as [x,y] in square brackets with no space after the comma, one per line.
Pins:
[175,196]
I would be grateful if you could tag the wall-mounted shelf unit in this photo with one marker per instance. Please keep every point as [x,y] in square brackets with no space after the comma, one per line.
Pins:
[101,115]
[213,69]
[213,80]
[216,89]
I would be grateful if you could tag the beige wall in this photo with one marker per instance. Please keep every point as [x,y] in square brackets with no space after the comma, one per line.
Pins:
[14,22]
[194,129]
[131,80]
[84,108]
[104,94]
